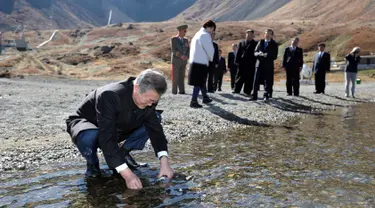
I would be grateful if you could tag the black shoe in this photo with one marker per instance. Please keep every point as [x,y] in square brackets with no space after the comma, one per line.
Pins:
[254,98]
[219,90]
[206,100]
[247,94]
[270,95]
[316,92]
[266,98]
[195,104]
[234,92]
[132,164]
[93,170]
[297,95]
[211,91]
[181,93]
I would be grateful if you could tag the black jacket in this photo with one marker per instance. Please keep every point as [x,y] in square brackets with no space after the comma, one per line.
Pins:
[222,68]
[245,53]
[322,64]
[112,111]
[267,63]
[293,60]
[352,63]
[216,57]
[231,61]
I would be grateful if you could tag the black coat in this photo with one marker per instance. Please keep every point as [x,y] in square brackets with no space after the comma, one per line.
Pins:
[322,64]
[245,53]
[293,60]
[215,61]
[231,61]
[352,63]
[112,111]
[222,68]
[267,63]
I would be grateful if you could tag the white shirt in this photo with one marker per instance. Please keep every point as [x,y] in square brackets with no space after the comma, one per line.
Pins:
[201,48]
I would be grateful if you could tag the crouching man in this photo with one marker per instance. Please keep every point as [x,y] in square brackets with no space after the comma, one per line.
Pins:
[118,118]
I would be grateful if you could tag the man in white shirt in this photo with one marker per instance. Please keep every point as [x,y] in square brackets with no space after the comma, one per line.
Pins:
[201,53]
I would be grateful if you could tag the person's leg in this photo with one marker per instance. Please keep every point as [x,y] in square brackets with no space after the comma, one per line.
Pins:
[239,80]
[233,73]
[194,100]
[174,78]
[220,81]
[323,83]
[296,84]
[347,82]
[181,79]
[87,144]
[354,79]
[251,80]
[289,83]
[256,84]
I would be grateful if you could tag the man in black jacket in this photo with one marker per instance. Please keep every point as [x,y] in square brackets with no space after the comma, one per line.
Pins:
[213,67]
[118,118]
[292,64]
[220,71]
[321,65]
[246,61]
[266,51]
[232,66]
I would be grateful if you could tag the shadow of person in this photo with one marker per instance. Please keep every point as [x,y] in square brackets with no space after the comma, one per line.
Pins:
[291,106]
[320,102]
[232,97]
[232,117]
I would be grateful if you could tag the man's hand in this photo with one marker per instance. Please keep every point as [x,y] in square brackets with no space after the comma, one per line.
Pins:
[184,58]
[178,54]
[165,168]
[216,65]
[132,181]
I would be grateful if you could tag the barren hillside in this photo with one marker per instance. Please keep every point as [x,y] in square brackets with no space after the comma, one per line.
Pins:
[230,10]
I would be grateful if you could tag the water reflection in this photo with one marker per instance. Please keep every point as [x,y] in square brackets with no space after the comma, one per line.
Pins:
[318,161]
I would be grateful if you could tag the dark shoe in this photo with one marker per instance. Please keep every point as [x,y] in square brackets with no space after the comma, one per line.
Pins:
[266,98]
[297,95]
[174,93]
[181,93]
[316,92]
[219,90]
[207,100]
[270,95]
[289,94]
[254,98]
[234,92]
[93,171]
[132,164]
[211,91]
[195,104]
[247,94]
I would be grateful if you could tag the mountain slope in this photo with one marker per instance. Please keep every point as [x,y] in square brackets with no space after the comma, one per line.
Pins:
[231,10]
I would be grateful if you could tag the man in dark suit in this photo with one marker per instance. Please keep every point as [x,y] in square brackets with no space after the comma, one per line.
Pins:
[246,61]
[266,52]
[292,64]
[232,66]
[213,67]
[180,55]
[220,71]
[118,118]
[321,65]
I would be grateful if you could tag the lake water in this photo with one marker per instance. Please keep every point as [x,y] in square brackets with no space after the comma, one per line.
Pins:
[319,161]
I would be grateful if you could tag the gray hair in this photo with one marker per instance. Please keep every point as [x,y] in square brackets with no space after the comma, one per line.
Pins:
[151,79]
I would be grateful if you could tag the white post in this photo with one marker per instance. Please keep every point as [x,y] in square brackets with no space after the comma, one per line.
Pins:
[110,17]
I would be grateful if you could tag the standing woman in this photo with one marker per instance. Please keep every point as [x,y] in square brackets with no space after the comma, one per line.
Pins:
[201,53]
[351,69]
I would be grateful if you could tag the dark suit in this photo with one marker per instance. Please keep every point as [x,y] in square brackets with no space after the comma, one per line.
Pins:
[112,111]
[219,73]
[212,69]
[246,61]
[321,64]
[292,62]
[232,68]
[265,71]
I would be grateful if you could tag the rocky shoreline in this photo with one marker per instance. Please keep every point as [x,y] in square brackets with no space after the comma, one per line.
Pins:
[32,113]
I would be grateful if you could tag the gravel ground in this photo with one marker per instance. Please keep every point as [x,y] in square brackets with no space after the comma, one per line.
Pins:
[32,113]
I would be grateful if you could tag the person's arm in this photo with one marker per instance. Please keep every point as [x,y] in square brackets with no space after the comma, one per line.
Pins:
[188,49]
[158,142]
[328,62]
[207,45]
[273,55]
[107,107]
[301,60]
[285,57]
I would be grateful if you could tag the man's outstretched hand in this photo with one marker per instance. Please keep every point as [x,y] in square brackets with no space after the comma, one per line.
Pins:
[165,168]
[132,180]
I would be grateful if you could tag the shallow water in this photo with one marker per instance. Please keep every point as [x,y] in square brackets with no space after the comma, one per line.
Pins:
[319,161]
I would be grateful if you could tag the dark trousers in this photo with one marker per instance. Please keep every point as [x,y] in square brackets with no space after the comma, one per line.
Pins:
[218,80]
[201,88]
[210,81]
[292,81]
[245,78]
[233,73]
[320,82]
[265,77]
